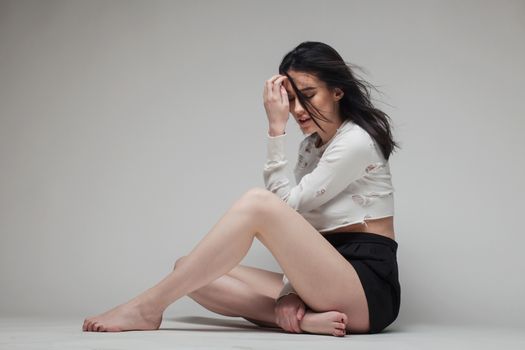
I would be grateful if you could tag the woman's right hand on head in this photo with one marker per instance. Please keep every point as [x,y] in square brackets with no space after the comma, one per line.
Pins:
[276,101]
[289,311]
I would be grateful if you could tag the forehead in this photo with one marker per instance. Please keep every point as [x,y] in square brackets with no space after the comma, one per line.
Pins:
[302,80]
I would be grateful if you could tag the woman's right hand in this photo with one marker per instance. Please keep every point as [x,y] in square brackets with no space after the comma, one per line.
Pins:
[276,101]
[289,311]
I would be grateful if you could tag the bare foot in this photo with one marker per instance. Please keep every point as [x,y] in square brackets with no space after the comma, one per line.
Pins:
[126,317]
[331,322]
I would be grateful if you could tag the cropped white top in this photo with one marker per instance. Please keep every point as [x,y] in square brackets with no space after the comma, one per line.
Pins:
[345,181]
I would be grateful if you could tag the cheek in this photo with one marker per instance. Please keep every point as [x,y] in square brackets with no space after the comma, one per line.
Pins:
[325,103]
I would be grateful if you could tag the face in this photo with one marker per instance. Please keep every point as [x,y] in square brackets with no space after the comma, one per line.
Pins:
[317,93]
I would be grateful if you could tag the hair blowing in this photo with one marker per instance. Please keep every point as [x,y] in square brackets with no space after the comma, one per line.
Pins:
[324,62]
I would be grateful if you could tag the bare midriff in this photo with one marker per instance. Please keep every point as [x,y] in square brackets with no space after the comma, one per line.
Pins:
[383,227]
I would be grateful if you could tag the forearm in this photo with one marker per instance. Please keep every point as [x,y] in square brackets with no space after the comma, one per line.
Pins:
[276,129]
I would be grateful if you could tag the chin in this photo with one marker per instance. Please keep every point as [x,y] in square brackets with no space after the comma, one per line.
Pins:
[307,131]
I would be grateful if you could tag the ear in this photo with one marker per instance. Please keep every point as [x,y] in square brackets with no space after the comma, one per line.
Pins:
[338,94]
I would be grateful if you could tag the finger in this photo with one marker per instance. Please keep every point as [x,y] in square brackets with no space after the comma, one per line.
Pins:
[274,84]
[279,322]
[277,85]
[273,78]
[289,325]
[300,313]
[285,93]
[269,89]
[294,326]
[269,84]
[297,325]
[298,319]
[280,79]
[284,97]
[284,325]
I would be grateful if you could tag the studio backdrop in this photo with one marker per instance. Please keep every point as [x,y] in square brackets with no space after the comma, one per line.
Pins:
[128,128]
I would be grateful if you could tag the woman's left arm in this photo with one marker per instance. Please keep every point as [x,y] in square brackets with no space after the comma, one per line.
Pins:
[343,162]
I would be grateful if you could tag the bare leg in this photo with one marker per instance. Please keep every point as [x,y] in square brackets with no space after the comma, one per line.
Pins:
[232,297]
[217,253]
[250,292]
[225,246]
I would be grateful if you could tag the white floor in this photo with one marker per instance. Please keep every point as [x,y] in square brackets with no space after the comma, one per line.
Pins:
[236,333]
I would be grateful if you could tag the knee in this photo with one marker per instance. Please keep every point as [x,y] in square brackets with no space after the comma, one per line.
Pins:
[257,193]
[257,201]
[178,262]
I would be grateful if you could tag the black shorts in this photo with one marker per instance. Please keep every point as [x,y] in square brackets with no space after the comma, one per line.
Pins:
[373,257]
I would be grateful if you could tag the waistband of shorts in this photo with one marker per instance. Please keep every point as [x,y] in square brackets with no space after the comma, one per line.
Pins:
[345,237]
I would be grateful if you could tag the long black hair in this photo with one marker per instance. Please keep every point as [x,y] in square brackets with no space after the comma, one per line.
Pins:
[324,62]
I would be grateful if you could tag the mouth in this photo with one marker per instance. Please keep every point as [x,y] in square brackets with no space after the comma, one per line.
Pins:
[304,121]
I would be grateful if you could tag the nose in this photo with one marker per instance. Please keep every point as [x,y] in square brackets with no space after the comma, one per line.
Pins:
[298,108]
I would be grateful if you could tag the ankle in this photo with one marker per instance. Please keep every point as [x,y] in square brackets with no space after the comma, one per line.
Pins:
[307,313]
[149,307]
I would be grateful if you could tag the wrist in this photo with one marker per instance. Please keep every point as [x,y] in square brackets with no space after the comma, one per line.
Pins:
[276,130]
[289,294]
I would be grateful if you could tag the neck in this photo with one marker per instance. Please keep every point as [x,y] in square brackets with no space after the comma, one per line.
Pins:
[330,132]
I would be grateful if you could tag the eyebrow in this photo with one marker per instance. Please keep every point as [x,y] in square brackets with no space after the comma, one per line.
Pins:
[308,88]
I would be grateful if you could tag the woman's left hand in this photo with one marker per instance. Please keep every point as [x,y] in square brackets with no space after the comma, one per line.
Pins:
[289,312]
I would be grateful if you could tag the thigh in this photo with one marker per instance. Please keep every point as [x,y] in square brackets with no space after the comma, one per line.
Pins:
[322,277]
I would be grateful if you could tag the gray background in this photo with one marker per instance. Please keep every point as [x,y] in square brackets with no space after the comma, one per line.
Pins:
[128,128]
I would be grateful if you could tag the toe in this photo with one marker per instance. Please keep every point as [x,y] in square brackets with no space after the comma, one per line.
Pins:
[338,332]
[339,325]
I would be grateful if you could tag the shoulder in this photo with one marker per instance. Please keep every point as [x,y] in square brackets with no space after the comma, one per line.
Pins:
[352,135]
[351,146]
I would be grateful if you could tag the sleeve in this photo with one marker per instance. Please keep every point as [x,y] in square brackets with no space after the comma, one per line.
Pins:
[343,162]
[287,289]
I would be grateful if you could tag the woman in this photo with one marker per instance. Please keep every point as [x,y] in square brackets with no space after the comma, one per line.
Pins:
[332,234]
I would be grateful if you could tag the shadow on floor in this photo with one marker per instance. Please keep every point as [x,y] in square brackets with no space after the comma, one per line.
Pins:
[241,326]
[209,321]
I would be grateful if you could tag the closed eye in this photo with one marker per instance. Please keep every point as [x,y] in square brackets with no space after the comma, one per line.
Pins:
[307,97]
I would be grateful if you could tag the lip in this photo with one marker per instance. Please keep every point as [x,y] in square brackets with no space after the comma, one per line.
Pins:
[304,123]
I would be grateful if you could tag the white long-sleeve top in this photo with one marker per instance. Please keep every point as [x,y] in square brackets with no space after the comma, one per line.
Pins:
[345,181]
